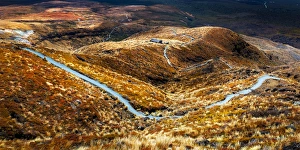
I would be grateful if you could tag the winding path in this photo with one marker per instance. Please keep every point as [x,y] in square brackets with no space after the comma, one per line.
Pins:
[166,48]
[259,82]
[166,56]
[226,63]
[189,36]
[192,38]
[197,65]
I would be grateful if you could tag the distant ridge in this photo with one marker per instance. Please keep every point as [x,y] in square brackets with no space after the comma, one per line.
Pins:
[20,2]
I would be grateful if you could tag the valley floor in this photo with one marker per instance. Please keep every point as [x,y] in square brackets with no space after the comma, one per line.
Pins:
[71,82]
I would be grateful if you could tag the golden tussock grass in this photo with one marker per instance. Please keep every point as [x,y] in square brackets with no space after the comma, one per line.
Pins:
[39,101]
[4,24]
[151,142]
[140,93]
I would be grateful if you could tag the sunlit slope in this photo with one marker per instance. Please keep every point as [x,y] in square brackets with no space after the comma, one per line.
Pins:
[190,66]
[184,47]
[38,100]
[277,51]
[141,95]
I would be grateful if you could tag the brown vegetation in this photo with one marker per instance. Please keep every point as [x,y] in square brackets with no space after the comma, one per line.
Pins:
[41,103]
[43,107]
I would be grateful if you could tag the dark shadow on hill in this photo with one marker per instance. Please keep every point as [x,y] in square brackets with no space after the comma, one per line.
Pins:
[128,2]
[20,2]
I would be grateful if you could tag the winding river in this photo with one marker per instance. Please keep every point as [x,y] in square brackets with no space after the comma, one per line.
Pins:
[96,83]
[24,35]
[259,82]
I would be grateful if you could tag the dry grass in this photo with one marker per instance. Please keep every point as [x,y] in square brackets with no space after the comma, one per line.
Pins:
[282,52]
[39,103]
[141,94]
[42,101]
[151,142]
[235,126]
[4,24]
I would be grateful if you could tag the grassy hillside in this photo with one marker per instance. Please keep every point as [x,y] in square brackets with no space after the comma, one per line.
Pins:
[43,104]
[44,107]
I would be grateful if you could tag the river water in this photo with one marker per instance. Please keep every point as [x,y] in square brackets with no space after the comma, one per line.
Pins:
[96,83]
[259,82]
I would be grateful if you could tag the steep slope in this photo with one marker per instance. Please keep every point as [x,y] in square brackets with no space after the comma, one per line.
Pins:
[41,103]
[251,120]
[189,64]
[281,52]
[141,94]
[162,71]
[205,65]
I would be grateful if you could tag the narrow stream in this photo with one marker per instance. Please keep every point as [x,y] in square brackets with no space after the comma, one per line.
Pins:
[259,82]
[98,84]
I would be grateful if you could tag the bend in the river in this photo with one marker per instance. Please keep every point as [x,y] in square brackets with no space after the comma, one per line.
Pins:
[259,83]
[98,84]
